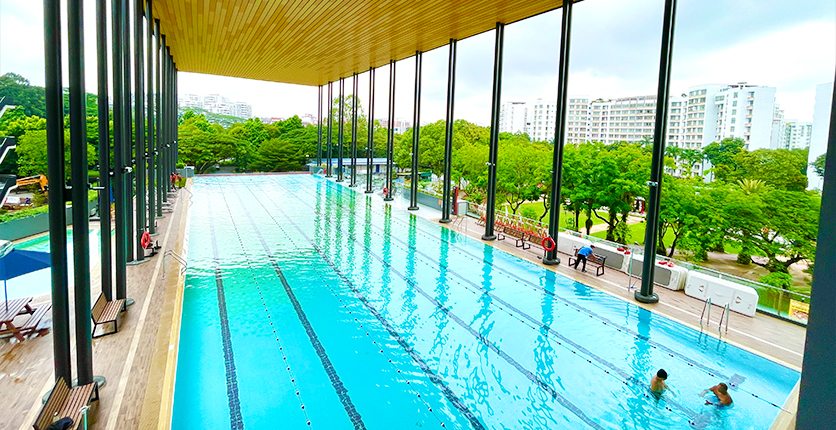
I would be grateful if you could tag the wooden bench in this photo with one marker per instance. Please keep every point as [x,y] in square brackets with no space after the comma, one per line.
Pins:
[66,402]
[106,312]
[594,260]
[31,325]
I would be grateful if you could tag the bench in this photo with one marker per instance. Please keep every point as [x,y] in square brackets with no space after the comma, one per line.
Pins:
[66,402]
[594,260]
[104,312]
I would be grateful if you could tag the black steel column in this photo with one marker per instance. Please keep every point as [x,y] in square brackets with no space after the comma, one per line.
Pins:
[353,182]
[559,132]
[149,38]
[80,184]
[340,136]
[416,132]
[448,134]
[370,142]
[162,169]
[319,127]
[176,108]
[104,150]
[328,171]
[129,136]
[390,137]
[657,168]
[160,194]
[55,172]
[816,409]
[119,141]
[139,126]
[494,142]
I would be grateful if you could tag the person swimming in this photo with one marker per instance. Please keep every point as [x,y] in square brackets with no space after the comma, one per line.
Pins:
[720,390]
[657,383]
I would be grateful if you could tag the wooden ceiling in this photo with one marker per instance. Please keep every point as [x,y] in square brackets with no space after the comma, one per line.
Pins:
[311,42]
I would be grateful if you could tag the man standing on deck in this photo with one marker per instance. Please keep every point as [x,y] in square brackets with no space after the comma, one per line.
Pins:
[582,254]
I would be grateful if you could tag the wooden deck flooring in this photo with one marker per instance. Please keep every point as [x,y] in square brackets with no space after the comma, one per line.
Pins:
[124,359]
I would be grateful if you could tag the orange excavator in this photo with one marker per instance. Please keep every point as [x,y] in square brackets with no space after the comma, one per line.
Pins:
[37,179]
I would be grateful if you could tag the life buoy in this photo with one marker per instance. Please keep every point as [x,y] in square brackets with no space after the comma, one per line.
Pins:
[385,191]
[549,240]
[146,239]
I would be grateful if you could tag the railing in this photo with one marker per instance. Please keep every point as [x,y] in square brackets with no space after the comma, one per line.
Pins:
[771,300]
[726,313]
[178,258]
[706,307]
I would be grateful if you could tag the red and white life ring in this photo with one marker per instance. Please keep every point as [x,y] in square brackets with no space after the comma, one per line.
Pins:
[549,240]
[146,239]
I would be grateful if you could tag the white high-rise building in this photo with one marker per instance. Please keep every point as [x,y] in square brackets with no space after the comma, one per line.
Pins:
[577,120]
[512,117]
[818,136]
[717,112]
[776,141]
[243,110]
[795,135]
[540,124]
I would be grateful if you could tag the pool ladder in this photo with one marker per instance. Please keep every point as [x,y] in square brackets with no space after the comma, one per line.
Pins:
[706,312]
[178,258]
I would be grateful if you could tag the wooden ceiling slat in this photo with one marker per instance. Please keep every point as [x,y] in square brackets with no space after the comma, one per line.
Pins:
[311,42]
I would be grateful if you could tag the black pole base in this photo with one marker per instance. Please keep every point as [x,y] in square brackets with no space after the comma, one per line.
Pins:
[138,262]
[329,176]
[444,220]
[551,261]
[369,192]
[488,237]
[652,298]
[129,302]
[388,199]
[339,180]
[412,208]
[352,185]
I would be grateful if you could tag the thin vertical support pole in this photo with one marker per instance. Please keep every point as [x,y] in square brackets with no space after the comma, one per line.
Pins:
[448,134]
[176,109]
[319,127]
[329,170]
[416,134]
[657,166]
[340,136]
[55,170]
[80,185]
[149,38]
[129,136]
[390,137]
[158,144]
[139,126]
[119,142]
[494,139]
[370,141]
[818,381]
[104,150]
[353,182]
[559,132]
[163,168]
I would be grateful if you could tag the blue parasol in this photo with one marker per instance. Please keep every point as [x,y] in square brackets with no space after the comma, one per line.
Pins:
[14,263]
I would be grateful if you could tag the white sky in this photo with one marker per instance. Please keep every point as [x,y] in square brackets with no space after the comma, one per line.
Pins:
[786,44]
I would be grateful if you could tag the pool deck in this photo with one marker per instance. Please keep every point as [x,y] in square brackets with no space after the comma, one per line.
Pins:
[139,361]
[130,359]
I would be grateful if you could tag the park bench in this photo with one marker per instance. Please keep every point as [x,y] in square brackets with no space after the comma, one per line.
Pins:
[66,402]
[31,324]
[593,260]
[104,312]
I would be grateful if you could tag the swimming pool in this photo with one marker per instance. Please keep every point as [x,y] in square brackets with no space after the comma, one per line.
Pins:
[309,305]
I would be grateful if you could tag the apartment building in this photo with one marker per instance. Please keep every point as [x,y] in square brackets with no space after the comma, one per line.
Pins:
[218,104]
[512,117]
[819,130]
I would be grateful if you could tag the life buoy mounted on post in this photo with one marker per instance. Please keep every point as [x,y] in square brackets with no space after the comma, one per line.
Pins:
[146,240]
[385,192]
[550,241]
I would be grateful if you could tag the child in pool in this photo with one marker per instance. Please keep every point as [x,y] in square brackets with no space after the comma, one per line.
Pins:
[657,383]
[720,390]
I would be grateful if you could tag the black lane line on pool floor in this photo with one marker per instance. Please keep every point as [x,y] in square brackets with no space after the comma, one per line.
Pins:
[614,368]
[336,382]
[693,363]
[507,358]
[236,422]
[445,389]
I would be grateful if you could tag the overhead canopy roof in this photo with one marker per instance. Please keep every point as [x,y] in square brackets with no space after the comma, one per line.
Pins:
[315,41]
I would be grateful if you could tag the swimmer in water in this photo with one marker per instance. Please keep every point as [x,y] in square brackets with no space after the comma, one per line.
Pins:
[720,390]
[657,383]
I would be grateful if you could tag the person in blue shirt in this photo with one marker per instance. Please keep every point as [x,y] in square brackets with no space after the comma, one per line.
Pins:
[582,254]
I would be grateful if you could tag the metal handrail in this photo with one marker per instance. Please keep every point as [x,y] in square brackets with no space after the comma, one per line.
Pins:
[727,314]
[707,305]
[178,258]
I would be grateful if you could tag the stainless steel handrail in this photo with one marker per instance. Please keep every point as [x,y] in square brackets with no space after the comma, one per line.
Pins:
[178,258]
[707,305]
[726,314]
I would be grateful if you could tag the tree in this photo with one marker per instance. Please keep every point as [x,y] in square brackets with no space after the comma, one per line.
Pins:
[721,156]
[681,211]
[203,150]
[278,155]
[779,168]
[19,92]
[619,176]
[818,165]
[31,150]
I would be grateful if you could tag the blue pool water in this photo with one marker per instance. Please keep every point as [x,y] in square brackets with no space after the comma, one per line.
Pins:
[40,282]
[310,305]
